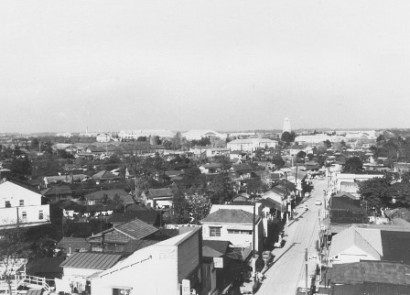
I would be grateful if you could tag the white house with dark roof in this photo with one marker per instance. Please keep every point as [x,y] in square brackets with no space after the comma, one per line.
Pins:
[158,197]
[164,268]
[20,206]
[234,223]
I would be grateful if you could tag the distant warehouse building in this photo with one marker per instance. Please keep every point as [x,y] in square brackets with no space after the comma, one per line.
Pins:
[251,144]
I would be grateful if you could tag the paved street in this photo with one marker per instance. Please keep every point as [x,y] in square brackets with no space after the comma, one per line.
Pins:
[288,270]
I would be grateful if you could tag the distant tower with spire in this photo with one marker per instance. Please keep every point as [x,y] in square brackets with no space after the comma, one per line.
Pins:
[286,125]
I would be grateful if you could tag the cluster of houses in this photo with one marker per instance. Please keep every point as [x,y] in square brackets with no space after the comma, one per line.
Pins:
[137,246]
[360,254]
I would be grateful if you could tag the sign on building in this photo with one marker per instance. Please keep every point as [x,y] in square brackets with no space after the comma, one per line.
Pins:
[186,287]
[218,262]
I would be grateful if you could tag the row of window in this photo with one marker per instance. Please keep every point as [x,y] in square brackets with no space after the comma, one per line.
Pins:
[8,204]
[40,215]
[216,231]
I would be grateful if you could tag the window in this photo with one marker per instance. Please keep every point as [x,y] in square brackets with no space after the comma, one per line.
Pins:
[21,202]
[40,215]
[24,215]
[214,231]
[239,232]
[7,204]
[117,291]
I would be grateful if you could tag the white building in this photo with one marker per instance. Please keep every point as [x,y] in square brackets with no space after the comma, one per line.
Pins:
[168,267]
[251,144]
[234,223]
[20,206]
[286,125]
[198,134]
[103,137]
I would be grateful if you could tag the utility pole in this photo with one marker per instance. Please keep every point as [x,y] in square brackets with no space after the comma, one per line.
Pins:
[253,239]
[306,270]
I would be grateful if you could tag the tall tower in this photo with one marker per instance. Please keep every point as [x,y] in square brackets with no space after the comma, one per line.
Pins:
[286,125]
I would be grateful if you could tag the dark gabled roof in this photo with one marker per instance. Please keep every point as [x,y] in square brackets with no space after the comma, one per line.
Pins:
[219,246]
[213,166]
[396,246]
[370,271]
[90,260]
[243,167]
[57,190]
[345,194]
[149,216]
[370,288]
[159,192]
[345,203]
[229,216]
[99,195]
[135,230]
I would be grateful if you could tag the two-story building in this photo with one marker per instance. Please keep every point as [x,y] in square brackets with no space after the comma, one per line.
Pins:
[236,224]
[20,206]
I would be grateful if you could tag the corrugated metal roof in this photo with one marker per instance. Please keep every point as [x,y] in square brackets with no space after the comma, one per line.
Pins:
[89,260]
[137,229]
[35,292]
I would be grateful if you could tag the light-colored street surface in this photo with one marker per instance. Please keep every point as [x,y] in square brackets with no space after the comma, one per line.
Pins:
[288,271]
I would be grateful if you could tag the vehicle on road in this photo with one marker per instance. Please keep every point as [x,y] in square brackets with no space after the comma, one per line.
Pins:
[318,203]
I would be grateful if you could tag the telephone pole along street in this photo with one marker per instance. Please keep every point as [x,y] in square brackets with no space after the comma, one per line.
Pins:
[288,270]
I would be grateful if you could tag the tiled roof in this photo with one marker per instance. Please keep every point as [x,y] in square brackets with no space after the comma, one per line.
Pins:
[229,216]
[345,203]
[89,260]
[370,271]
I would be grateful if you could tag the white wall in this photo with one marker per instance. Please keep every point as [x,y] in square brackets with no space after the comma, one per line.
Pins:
[14,193]
[353,254]
[8,216]
[152,270]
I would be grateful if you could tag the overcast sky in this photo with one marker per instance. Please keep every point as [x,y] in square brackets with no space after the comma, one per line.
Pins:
[203,64]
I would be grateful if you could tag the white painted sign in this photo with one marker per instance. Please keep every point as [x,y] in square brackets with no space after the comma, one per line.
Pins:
[218,262]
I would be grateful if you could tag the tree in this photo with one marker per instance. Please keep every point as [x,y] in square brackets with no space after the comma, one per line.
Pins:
[288,137]
[300,155]
[377,192]
[21,166]
[13,254]
[327,144]
[278,161]
[353,165]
